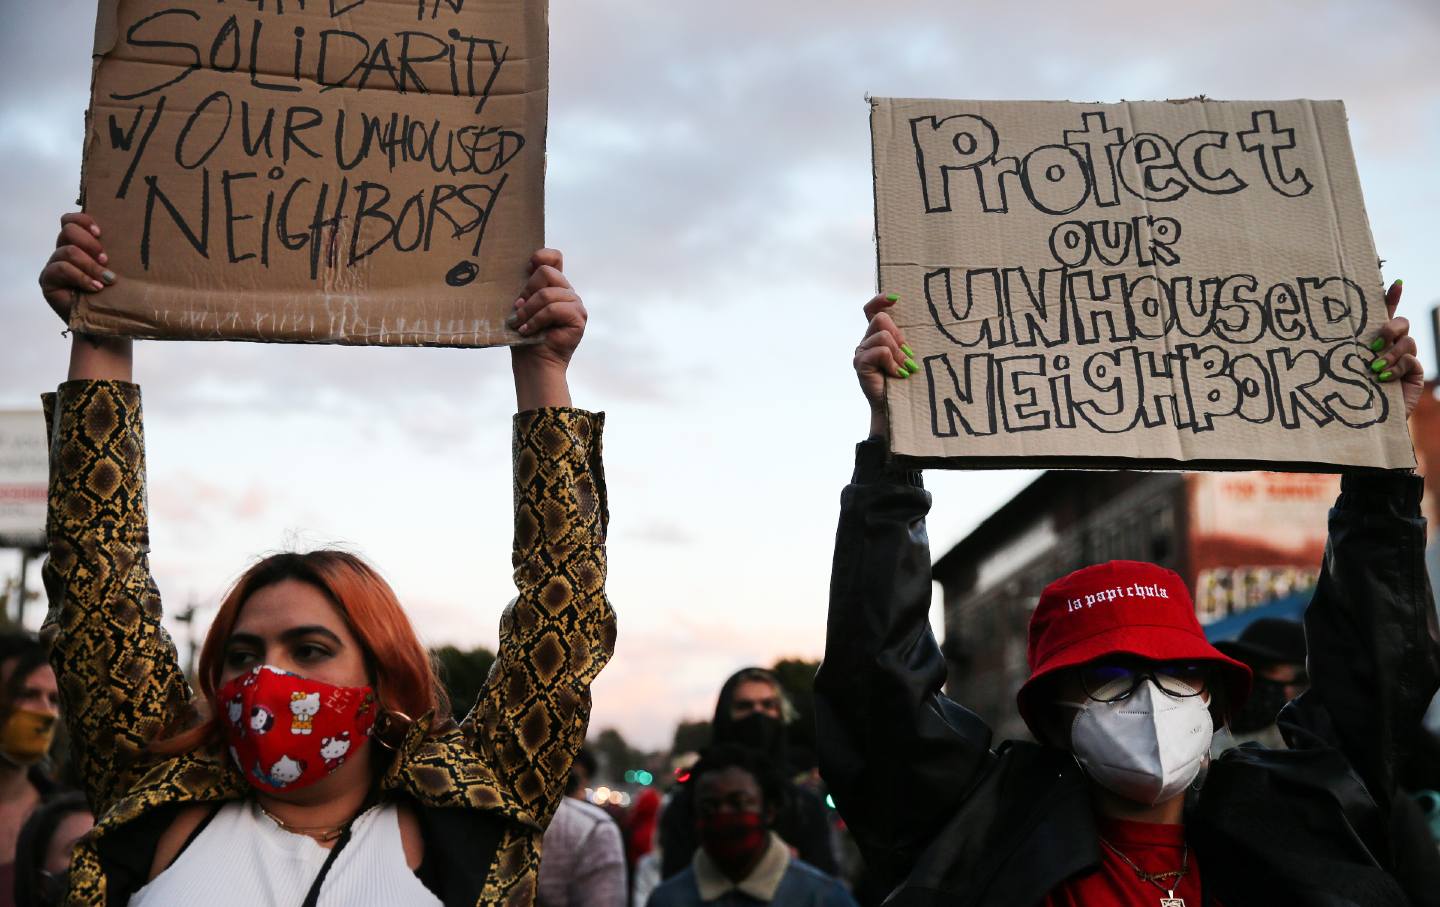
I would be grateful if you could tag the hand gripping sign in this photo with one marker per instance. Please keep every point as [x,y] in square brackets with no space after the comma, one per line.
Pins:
[1142,284]
[341,171]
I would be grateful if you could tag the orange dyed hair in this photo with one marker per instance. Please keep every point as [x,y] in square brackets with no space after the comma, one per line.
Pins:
[399,667]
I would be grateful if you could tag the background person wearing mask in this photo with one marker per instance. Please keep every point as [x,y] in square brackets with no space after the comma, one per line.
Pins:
[1123,695]
[42,857]
[29,711]
[1274,650]
[741,861]
[752,712]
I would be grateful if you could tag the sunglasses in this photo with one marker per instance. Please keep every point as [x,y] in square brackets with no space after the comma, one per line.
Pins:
[1112,682]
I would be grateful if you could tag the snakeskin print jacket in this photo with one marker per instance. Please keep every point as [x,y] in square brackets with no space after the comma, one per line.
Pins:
[483,790]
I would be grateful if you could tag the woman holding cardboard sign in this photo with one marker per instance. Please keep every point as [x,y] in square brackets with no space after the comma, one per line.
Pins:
[1119,802]
[322,765]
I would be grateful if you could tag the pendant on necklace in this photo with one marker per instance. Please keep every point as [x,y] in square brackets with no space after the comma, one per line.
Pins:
[1171,901]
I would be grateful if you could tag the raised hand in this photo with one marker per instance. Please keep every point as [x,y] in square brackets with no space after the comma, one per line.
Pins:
[552,311]
[1394,351]
[79,265]
[881,353]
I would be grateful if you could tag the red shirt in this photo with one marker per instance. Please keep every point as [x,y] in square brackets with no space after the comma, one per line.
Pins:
[1154,848]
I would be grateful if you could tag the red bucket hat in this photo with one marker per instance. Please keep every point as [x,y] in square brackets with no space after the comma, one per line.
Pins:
[1119,608]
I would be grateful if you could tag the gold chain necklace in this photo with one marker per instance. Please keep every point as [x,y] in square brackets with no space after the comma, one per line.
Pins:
[1158,879]
[324,834]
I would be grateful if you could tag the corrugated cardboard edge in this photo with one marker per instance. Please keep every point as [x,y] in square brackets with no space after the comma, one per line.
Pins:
[874,104]
[107,18]
[907,461]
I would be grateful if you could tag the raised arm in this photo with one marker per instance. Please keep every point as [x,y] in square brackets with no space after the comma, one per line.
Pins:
[120,683]
[1370,628]
[898,756]
[559,631]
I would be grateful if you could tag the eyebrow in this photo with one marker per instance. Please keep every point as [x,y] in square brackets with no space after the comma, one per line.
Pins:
[289,635]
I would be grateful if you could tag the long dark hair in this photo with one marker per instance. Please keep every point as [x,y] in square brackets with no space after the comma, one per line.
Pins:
[34,842]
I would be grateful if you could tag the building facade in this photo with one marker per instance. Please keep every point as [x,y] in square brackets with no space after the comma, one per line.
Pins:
[1240,540]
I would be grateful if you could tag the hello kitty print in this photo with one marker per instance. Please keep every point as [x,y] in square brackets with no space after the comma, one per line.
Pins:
[286,732]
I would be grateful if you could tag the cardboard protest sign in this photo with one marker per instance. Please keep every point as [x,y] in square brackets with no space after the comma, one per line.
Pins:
[1141,284]
[341,171]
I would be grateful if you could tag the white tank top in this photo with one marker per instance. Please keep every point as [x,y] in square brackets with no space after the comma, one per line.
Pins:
[244,858]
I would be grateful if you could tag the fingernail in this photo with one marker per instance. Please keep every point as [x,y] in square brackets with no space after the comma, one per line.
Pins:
[910,364]
[1399,283]
[103,258]
[1376,344]
[892,297]
[94,229]
[97,285]
[512,320]
[524,328]
[900,371]
[1386,376]
[906,350]
[107,276]
[1378,366]
[519,302]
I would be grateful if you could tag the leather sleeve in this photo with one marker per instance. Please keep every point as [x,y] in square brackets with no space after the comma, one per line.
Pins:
[898,756]
[120,682]
[559,631]
[1370,632]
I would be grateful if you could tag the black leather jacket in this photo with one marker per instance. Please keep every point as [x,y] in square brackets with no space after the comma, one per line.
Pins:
[946,818]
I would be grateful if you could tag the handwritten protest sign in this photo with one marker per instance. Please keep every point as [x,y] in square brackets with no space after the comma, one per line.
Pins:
[1131,284]
[343,171]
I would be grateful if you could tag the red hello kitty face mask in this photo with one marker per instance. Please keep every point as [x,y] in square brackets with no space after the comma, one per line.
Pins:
[287,732]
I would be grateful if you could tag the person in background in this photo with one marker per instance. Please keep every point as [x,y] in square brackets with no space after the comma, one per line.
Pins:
[582,775]
[752,712]
[29,712]
[42,857]
[584,858]
[1274,650]
[741,861]
[640,825]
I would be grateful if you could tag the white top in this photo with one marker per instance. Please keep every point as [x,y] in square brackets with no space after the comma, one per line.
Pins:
[244,858]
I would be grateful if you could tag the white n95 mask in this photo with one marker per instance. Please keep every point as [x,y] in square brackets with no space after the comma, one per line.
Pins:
[1146,747]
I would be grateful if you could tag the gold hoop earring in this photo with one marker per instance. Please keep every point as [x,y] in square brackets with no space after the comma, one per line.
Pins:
[386,723]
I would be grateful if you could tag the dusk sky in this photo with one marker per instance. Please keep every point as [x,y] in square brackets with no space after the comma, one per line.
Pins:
[709,182]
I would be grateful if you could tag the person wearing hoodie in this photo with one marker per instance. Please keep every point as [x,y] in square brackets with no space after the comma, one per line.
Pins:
[752,712]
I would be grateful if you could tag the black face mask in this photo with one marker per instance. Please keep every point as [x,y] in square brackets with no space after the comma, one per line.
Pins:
[759,732]
[1267,698]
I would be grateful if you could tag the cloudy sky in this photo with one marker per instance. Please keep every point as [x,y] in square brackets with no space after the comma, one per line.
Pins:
[709,181]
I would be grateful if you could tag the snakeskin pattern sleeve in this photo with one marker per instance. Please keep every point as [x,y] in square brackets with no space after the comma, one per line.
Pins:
[559,631]
[120,682]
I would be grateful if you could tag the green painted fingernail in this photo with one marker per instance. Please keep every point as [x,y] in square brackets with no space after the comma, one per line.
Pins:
[1376,344]
[910,364]
[107,276]
[1399,282]
[1378,366]
[906,350]
[892,297]
[1386,376]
